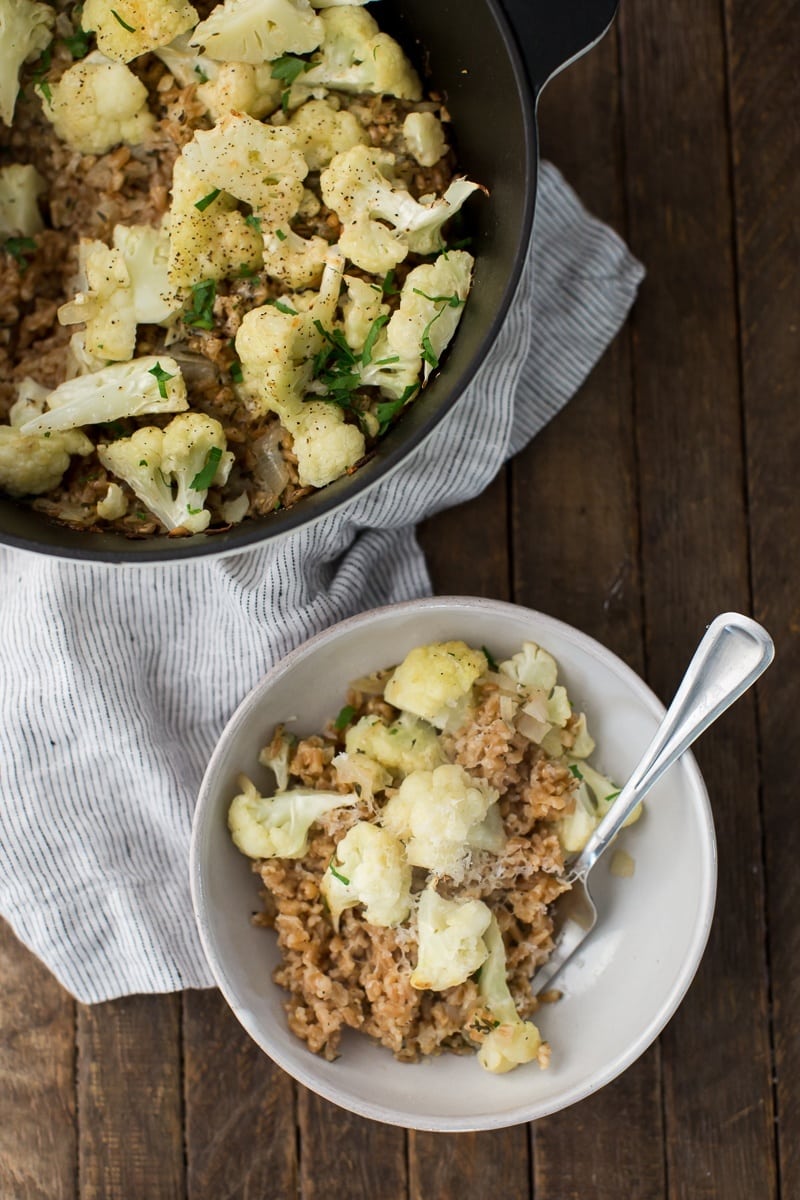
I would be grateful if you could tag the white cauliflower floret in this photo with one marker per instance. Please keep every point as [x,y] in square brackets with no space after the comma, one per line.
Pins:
[323,131]
[362,306]
[532,667]
[241,87]
[260,164]
[20,187]
[594,797]
[407,745]
[361,772]
[297,262]
[97,104]
[114,504]
[276,757]
[369,868]
[424,137]
[277,826]
[512,1041]
[184,63]
[360,188]
[433,679]
[171,469]
[34,463]
[119,289]
[105,303]
[433,812]
[208,242]
[257,31]
[131,389]
[431,303]
[276,347]
[450,940]
[356,57]
[25,30]
[133,27]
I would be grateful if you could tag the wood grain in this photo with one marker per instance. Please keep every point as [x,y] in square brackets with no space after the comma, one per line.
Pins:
[467,548]
[764,89]
[240,1109]
[345,1155]
[579,561]
[469,1166]
[129,1099]
[718,1103]
[38,1138]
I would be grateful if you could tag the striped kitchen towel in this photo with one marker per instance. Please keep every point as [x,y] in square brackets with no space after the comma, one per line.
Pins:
[116,682]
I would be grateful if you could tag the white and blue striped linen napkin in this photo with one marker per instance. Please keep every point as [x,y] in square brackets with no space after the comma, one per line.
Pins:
[116,683]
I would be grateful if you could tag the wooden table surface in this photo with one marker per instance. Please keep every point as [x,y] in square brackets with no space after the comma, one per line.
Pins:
[665,493]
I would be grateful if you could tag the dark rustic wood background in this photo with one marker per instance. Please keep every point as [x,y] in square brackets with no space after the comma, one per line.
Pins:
[666,492]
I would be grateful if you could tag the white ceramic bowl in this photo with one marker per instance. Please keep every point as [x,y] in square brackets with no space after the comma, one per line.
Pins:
[631,975]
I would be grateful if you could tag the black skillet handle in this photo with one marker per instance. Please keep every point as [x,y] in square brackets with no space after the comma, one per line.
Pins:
[552,33]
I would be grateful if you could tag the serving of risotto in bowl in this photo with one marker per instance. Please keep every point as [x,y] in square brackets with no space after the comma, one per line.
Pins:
[381,837]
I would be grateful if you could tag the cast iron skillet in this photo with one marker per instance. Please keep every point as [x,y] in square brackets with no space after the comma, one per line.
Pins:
[492,78]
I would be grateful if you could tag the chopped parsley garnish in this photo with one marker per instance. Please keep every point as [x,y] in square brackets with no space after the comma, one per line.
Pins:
[201,314]
[246,271]
[453,301]
[387,287]
[336,874]
[124,24]
[375,328]
[280,235]
[18,247]
[202,205]
[44,88]
[287,68]
[142,462]
[428,353]
[203,479]
[284,308]
[491,660]
[611,796]
[482,1026]
[345,717]
[78,42]
[253,221]
[201,75]
[387,410]
[575,770]
[162,376]
[236,371]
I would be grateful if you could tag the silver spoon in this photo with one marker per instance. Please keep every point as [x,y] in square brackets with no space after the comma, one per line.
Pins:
[733,653]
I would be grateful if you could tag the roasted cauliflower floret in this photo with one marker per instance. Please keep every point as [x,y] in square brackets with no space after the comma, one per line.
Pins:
[97,104]
[171,469]
[362,306]
[277,826]
[360,187]
[369,868]
[512,1041]
[406,745]
[133,27]
[325,445]
[450,940]
[532,668]
[260,164]
[20,188]
[323,131]
[34,463]
[25,31]
[433,812]
[356,57]
[431,680]
[297,262]
[132,389]
[364,774]
[241,87]
[424,137]
[257,31]
[210,241]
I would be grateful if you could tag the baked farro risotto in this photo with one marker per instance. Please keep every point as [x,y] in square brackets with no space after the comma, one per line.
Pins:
[227,261]
[411,852]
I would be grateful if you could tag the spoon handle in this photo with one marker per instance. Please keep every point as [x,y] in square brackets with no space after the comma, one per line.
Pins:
[733,653]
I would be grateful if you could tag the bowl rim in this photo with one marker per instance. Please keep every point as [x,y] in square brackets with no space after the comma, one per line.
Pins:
[521,1113]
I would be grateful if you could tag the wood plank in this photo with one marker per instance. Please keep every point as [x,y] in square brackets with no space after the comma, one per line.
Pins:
[715,1051]
[467,547]
[764,93]
[240,1109]
[343,1154]
[469,1166]
[38,1150]
[129,1099]
[576,556]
